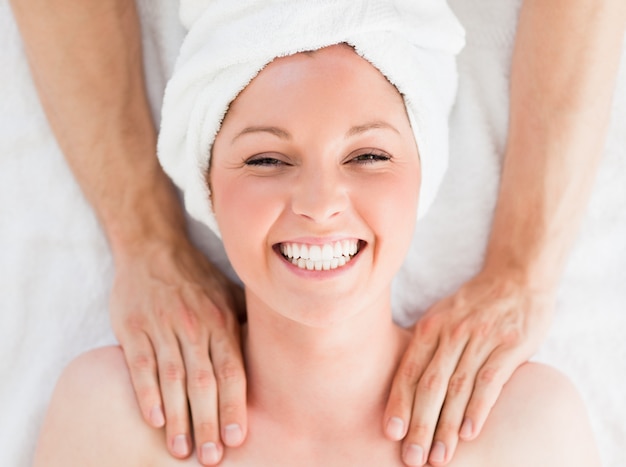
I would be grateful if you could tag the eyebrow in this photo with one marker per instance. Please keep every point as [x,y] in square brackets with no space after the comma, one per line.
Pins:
[279,132]
[284,134]
[376,125]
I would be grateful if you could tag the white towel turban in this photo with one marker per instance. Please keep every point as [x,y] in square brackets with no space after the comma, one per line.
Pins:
[412,42]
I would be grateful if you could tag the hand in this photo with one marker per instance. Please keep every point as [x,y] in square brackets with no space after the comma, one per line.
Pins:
[464,349]
[174,316]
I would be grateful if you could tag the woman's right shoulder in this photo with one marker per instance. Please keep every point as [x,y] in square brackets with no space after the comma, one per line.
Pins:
[93,417]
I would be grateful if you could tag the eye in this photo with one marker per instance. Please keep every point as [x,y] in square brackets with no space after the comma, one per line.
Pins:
[370,157]
[264,161]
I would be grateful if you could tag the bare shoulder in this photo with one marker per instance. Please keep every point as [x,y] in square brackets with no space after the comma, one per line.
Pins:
[93,418]
[539,419]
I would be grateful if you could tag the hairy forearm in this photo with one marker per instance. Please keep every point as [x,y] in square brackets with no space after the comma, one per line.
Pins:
[563,75]
[86,62]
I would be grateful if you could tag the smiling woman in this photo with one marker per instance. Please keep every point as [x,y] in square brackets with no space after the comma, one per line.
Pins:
[316,218]
[341,166]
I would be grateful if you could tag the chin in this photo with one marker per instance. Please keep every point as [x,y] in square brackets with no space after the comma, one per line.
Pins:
[327,312]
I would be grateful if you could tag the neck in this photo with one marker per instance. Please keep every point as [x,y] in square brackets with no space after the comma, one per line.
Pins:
[325,380]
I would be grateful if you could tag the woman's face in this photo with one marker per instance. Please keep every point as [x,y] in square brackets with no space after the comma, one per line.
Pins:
[315,178]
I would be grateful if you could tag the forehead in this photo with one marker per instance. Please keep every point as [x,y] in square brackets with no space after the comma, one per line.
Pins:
[334,78]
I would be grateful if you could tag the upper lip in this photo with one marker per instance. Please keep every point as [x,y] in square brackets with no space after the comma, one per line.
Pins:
[320,240]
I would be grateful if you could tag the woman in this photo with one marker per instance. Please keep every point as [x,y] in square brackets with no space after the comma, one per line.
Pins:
[288,175]
[181,261]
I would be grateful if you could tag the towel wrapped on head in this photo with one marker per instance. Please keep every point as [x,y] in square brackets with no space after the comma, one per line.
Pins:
[412,42]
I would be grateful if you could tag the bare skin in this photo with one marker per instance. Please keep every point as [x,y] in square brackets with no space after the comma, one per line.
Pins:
[312,180]
[538,407]
[512,295]
[468,345]
[170,307]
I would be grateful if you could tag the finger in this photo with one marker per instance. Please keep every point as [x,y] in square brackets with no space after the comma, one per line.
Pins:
[413,363]
[460,387]
[490,380]
[231,384]
[141,363]
[172,378]
[429,397]
[402,394]
[202,392]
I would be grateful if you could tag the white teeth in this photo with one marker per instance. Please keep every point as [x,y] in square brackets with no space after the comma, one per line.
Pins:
[315,252]
[328,252]
[345,245]
[337,250]
[320,257]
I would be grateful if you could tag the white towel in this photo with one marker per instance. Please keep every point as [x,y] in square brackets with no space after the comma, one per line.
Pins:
[413,43]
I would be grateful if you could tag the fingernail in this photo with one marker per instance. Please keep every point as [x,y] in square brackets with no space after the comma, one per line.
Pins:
[414,455]
[232,435]
[467,429]
[156,416]
[210,455]
[438,452]
[181,446]
[395,428]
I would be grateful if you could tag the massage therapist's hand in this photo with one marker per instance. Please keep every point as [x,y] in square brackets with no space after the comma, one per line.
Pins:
[465,347]
[174,315]
[463,351]
[171,310]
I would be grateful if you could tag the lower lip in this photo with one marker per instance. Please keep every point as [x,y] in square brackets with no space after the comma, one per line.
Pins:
[328,274]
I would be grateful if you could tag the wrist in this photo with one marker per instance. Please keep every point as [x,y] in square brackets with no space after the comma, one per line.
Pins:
[147,216]
[531,266]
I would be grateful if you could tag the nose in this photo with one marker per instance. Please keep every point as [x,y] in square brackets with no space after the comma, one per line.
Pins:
[320,195]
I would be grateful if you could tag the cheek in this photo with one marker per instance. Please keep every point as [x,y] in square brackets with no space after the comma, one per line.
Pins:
[392,208]
[245,209]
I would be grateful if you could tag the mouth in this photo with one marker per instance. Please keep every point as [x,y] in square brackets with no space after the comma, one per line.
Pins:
[322,257]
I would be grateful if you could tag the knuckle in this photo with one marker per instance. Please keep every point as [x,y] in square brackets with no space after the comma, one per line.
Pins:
[187,323]
[173,372]
[230,372]
[146,395]
[431,382]
[459,384]
[447,429]
[141,363]
[219,317]
[201,379]
[409,371]
[205,430]
[457,333]
[399,401]
[228,410]
[489,375]
[177,422]
[135,322]
[511,337]
[428,325]
[420,431]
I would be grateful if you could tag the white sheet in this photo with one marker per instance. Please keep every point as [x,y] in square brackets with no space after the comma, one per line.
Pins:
[56,271]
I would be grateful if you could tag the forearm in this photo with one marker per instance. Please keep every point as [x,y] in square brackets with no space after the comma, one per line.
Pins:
[86,61]
[563,75]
